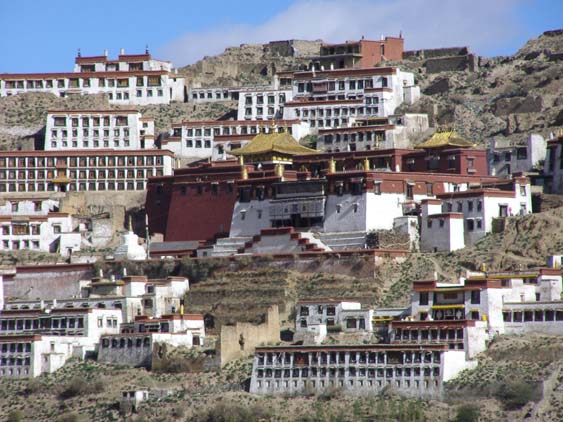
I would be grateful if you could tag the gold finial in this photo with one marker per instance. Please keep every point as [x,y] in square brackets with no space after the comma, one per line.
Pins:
[273,126]
[366,164]
[241,160]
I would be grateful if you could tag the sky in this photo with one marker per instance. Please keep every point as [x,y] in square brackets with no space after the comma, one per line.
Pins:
[38,36]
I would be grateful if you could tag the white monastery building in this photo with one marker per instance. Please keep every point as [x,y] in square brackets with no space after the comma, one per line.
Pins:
[98,129]
[131,79]
[35,224]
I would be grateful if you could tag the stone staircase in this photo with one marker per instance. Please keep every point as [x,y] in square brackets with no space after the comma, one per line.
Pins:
[344,240]
[283,240]
[227,246]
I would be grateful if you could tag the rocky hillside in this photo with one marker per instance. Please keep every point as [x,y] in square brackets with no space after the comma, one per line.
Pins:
[249,64]
[503,98]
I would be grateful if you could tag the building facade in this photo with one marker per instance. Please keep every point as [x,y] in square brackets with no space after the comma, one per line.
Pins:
[264,104]
[102,129]
[33,342]
[456,219]
[373,133]
[505,160]
[412,370]
[336,98]
[358,54]
[131,79]
[215,139]
[85,170]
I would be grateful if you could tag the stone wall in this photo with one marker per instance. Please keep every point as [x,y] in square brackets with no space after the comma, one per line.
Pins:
[468,62]
[294,48]
[240,340]
[432,53]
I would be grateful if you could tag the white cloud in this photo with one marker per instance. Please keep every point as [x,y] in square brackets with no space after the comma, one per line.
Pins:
[484,25]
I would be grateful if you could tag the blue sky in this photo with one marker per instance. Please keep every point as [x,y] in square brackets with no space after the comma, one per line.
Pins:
[40,36]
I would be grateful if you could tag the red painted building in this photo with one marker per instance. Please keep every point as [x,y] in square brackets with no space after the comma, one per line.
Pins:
[197,203]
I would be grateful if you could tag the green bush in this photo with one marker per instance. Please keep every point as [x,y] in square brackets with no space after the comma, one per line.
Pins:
[515,394]
[78,386]
[234,412]
[69,417]
[467,413]
[15,416]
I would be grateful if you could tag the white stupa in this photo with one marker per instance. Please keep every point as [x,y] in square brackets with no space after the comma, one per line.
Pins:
[130,248]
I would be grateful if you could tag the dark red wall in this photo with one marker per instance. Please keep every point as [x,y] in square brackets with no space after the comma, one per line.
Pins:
[195,216]
[157,203]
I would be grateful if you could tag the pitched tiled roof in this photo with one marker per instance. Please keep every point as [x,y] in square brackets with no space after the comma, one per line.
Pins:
[282,143]
[446,139]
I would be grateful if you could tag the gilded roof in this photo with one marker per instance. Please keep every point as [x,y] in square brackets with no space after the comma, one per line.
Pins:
[282,143]
[446,139]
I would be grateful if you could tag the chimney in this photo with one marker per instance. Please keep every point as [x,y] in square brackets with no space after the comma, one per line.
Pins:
[112,278]
[106,52]
[124,271]
[121,51]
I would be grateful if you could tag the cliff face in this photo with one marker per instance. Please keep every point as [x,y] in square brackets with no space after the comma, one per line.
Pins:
[501,97]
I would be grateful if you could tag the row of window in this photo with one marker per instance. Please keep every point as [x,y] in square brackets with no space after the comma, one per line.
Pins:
[353,137]
[350,323]
[96,144]
[138,93]
[336,112]
[350,371]
[23,229]
[120,343]
[209,95]
[153,81]
[417,384]
[345,85]
[227,130]
[15,347]
[539,315]
[198,143]
[80,161]
[17,245]
[41,323]
[81,186]
[471,223]
[113,67]
[429,334]
[260,111]
[86,122]
[334,358]
[259,99]
[81,174]
[89,133]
